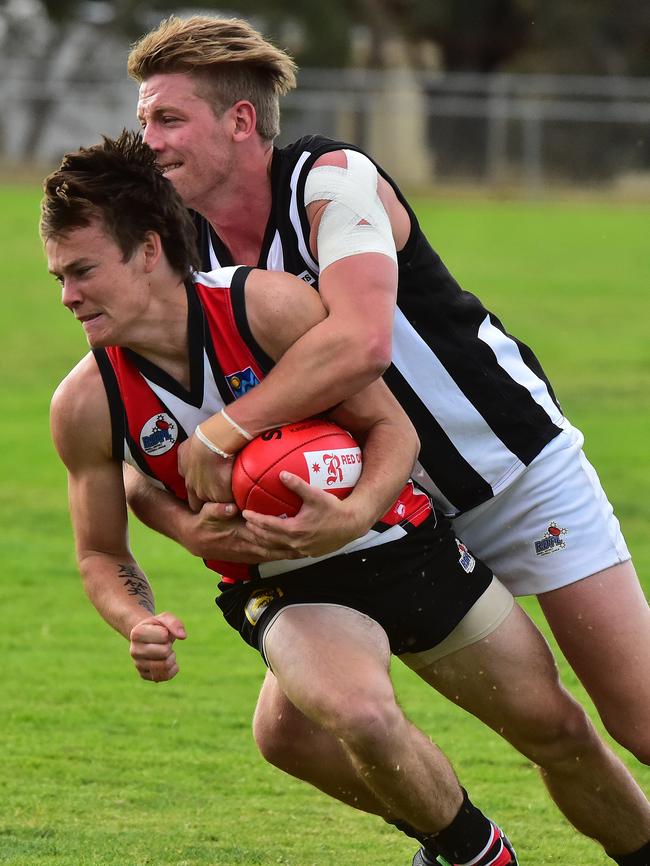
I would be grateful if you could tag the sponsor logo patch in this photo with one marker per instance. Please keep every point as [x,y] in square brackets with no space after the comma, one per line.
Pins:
[465,560]
[242,381]
[258,601]
[551,540]
[334,468]
[158,435]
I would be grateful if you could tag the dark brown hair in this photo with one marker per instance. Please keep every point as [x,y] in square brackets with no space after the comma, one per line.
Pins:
[119,183]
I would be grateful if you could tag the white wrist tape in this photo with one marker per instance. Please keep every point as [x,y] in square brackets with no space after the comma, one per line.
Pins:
[355,220]
[200,435]
[244,433]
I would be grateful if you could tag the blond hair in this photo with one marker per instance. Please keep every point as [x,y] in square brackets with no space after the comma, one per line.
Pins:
[230,60]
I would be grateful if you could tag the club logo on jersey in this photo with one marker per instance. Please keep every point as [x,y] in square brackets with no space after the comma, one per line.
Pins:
[465,559]
[334,468]
[551,541]
[258,601]
[306,277]
[158,435]
[242,381]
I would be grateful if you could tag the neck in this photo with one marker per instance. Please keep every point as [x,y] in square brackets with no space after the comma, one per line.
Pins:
[239,212]
[161,335]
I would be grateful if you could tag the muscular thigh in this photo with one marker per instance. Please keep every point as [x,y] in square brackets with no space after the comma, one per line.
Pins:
[602,624]
[508,680]
[325,656]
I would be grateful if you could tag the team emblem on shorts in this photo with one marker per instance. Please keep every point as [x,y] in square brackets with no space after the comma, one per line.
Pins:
[158,435]
[306,277]
[258,601]
[466,560]
[242,381]
[551,541]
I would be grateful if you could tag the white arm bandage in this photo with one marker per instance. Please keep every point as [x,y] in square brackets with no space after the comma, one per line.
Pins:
[355,221]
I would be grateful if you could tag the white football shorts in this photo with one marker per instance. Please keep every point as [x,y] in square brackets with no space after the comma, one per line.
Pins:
[551,527]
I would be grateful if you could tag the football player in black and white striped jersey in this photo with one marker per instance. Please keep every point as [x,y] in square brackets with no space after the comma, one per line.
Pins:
[497,454]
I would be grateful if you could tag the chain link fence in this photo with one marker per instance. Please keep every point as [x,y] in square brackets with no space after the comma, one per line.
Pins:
[525,133]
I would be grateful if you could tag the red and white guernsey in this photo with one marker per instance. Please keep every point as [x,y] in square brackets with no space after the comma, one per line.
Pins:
[152,413]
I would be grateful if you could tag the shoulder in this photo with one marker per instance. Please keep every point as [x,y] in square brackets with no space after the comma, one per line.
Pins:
[353,173]
[307,144]
[278,295]
[336,158]
[280,307]
[79,414]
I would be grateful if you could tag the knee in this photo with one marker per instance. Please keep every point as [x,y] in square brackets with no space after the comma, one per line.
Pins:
[281,738]
[366,725]
[561,734]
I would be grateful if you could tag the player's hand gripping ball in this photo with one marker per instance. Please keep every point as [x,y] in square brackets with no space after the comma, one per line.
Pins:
[320,452]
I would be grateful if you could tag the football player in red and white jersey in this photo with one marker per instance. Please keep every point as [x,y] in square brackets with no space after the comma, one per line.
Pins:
[120,243]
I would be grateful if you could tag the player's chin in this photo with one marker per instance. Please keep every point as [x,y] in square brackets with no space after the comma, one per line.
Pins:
[100,338]
[98,342]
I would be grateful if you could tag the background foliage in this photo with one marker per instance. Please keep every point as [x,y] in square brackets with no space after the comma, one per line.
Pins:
[585,36]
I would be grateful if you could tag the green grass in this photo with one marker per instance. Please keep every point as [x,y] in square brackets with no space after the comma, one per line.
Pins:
[101,769]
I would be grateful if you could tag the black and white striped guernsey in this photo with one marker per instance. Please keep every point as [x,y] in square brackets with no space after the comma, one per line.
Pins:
[480,401]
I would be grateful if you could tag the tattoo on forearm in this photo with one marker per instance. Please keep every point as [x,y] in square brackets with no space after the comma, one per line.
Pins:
[137,585]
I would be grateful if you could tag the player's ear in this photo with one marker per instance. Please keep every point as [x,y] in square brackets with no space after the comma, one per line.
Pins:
[152,251]
[244,118]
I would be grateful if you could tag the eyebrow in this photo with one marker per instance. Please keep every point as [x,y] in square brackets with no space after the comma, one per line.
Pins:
[71,266]
[161,109]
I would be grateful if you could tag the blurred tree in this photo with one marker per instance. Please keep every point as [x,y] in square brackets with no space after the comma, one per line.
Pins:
[60,11]
[593,37]
[584,36]
[472,35]
[317,34]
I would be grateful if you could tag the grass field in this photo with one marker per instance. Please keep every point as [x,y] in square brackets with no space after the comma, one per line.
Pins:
[102,769]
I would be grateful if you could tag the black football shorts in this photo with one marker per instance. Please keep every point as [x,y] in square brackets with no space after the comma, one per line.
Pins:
[417,588]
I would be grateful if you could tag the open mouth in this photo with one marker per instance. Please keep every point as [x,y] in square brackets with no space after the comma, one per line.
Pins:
[85,319]
[170,167]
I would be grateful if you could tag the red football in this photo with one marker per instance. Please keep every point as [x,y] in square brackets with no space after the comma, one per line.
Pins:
[320,452]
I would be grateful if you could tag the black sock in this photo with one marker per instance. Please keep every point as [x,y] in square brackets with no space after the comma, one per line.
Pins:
[637,858]
[462,840]
[465,837]
[409,830]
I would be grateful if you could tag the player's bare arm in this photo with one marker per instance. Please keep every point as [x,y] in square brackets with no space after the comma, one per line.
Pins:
[372,415]
[216,531]
[351,345]
[114,582]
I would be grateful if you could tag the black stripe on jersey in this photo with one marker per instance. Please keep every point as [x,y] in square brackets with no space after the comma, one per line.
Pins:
[203,239]
[456,479]
[524,432]
[270,229]
[238,299]
[217,373]
[508,407]
[115,405]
